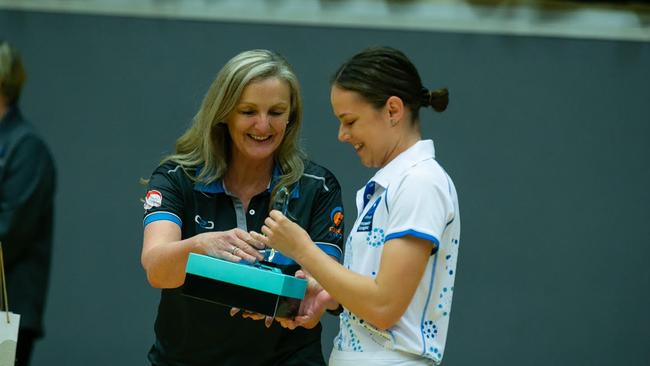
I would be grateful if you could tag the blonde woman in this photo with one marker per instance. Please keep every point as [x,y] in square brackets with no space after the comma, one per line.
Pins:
[205,198]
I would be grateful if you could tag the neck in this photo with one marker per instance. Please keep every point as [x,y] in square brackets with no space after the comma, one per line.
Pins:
[246,173]
[403,143]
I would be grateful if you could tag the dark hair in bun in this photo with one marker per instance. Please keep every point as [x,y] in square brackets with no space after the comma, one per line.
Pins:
[380,72]
[438,99]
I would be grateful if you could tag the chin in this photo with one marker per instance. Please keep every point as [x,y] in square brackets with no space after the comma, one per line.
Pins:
[367,164]
[261,154]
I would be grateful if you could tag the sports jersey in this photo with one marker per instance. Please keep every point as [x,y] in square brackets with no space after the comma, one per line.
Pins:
[195,332]
[411,196]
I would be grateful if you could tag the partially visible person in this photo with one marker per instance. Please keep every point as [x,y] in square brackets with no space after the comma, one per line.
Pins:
[241,149]
[27,186]
[397,280]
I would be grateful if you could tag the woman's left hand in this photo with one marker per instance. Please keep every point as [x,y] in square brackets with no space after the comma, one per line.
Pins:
[254,316]
[282,234]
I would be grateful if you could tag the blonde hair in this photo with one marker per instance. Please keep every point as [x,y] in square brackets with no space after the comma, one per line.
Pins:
[12,73]
[207,142]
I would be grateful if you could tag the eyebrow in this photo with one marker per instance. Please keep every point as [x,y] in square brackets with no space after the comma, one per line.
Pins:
[279,104]
[343,114]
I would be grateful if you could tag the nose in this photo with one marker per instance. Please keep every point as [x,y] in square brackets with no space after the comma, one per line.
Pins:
[264,121]
[343,133]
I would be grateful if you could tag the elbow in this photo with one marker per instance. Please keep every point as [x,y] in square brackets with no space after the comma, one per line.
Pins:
[385,323]
[384,318]
[151,278]
[158,280]
[154,281]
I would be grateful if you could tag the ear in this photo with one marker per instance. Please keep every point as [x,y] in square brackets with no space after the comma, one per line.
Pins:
[395,108]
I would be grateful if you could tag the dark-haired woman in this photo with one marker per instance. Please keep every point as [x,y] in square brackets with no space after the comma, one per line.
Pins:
[397,280]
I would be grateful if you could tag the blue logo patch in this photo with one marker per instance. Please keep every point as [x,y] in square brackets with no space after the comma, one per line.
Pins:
[366,222]
[205,224]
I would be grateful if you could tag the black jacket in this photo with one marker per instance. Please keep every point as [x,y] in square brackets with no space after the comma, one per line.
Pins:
[27,185]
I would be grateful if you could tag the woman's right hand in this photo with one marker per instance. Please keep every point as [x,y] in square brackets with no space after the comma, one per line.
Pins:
[232,245]
[312,307]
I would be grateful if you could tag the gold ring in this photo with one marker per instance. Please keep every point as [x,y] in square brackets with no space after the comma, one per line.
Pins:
[234,250]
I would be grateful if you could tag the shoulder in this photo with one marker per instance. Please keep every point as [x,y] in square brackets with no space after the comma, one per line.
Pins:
[316,169]
[25,140]
[173,169]
[316,174]
[170,172]
[17,130]
[426,175]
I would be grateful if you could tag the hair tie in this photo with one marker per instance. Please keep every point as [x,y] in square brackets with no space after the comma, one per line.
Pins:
[425,97]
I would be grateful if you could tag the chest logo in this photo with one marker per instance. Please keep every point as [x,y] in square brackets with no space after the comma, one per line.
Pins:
[206,224]
[366,222]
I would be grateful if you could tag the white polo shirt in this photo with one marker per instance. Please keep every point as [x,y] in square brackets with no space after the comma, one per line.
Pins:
[411,195]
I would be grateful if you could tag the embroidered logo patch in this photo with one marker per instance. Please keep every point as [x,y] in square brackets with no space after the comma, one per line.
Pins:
[366,222]
[206,224]
[336,216]
[153,199]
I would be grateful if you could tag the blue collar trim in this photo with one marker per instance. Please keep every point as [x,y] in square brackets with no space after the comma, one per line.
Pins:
[217,186]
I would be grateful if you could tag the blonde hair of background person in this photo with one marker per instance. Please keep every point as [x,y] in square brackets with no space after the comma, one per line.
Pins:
[12,74]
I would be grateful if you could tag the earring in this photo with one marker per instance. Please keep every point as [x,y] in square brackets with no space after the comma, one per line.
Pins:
[393,122]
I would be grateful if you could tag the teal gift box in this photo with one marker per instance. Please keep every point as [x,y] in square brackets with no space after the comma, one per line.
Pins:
[257,288]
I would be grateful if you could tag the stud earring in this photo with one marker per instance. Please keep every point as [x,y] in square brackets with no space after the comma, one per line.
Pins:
[393,122]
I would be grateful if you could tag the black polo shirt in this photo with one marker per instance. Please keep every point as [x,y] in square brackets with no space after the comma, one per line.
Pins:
[194,332]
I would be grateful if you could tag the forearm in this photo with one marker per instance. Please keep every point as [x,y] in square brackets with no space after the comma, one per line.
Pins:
[329,302]
[165,263]
[360,294]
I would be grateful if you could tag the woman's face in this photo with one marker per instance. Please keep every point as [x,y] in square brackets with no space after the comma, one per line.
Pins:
[259,120]
[364,127]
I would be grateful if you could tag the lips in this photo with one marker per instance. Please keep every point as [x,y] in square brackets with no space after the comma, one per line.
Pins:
[260,138]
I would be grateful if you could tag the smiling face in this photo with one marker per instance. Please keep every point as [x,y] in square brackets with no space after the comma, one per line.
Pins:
[363,126]
[259,120]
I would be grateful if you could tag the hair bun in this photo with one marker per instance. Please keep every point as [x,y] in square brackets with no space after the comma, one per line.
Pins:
[439,99]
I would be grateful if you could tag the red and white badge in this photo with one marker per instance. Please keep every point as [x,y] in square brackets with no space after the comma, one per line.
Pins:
[153,199]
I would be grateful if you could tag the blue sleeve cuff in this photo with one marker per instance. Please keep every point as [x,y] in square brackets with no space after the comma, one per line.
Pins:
[330,249]
[162,215]
[414,233]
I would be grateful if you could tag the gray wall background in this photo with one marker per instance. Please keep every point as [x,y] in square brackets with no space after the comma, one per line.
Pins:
[546,140]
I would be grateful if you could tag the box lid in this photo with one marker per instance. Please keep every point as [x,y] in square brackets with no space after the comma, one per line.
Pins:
[246,275]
